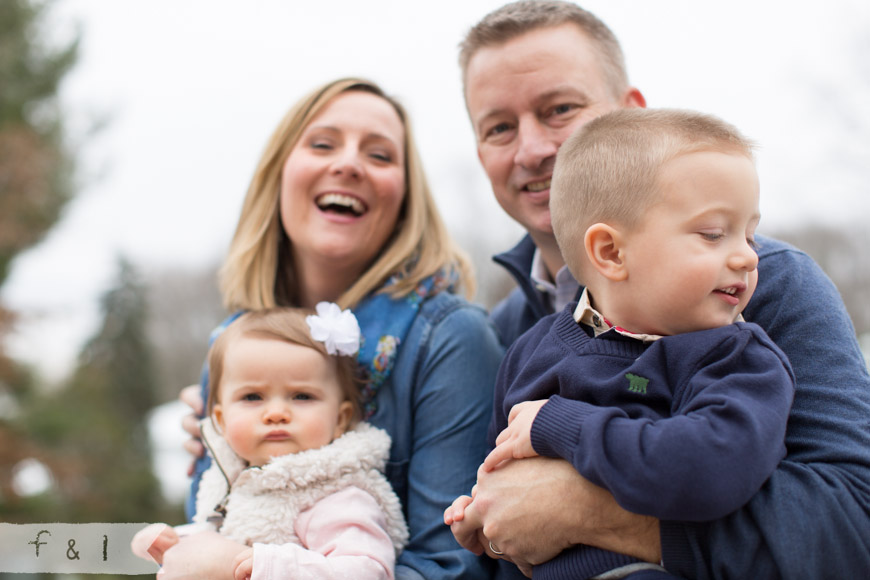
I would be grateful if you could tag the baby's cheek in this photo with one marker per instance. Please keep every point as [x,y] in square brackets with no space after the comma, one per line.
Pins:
[237,436]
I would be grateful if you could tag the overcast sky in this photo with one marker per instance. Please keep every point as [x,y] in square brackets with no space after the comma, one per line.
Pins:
[191,89]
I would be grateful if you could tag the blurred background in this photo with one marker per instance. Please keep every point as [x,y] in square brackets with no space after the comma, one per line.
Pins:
[129,131]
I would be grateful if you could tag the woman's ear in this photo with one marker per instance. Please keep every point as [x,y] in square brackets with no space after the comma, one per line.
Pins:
[345,414]
[605,250]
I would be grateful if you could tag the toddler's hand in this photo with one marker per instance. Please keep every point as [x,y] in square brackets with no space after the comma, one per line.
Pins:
[456,512]
[152,541]
[515,442]
[243,565]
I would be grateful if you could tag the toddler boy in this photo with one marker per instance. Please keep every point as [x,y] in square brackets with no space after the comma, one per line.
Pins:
[651,386]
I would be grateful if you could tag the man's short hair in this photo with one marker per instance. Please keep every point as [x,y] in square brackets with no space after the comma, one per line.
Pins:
[517,18]
[607,171]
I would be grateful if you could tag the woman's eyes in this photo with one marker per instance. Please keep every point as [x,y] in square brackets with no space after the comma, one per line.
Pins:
[381,156]
[377,155]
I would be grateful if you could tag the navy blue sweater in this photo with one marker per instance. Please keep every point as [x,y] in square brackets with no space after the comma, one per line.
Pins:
[684,428]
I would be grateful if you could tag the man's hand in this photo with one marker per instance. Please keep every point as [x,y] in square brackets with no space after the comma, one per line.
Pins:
[534,508]
[515,442]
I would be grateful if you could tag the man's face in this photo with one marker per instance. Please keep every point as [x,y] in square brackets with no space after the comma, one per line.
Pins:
[525,98]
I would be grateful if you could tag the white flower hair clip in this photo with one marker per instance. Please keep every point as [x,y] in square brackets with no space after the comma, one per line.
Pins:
[338,329]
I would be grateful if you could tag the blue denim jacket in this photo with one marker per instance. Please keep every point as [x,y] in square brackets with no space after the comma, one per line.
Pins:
[436,406]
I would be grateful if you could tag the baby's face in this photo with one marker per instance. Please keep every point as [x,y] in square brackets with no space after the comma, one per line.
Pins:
[692,262]
[277,398]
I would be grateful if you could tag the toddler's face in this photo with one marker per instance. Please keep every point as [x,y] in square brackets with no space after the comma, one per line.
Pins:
[692,261]
[277,398]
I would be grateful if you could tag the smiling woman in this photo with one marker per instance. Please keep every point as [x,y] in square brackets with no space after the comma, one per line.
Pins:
[342,189]
[339,210]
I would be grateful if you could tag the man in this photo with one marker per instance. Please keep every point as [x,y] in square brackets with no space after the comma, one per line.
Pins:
[533,73]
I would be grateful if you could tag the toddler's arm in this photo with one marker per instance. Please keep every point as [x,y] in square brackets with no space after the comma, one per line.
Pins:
[515,442]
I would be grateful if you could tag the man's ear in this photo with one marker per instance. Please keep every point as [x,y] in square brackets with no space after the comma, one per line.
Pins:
[633,98]
[604,249]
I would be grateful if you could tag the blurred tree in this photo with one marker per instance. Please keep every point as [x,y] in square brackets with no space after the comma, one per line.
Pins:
[95,426]
[184,307]
[92,433]
[35,183]
[35,165]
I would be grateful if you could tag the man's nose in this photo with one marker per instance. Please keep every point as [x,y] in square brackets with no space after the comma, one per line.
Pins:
[536,143]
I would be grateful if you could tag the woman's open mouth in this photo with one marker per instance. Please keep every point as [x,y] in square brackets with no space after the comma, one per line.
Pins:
[341,204]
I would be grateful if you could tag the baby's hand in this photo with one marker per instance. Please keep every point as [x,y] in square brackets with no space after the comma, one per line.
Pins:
[243,565]
[152,541]
[456,512]
[515,442]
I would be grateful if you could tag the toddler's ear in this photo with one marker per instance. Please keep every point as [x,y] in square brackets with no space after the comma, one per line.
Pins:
[604,249]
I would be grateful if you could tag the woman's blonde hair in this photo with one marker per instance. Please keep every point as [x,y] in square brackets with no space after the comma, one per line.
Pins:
[259,273]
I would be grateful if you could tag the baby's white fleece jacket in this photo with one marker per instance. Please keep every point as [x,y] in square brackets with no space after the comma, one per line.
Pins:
[325,513]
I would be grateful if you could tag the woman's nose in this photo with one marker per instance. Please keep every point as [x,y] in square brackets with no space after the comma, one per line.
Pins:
[347,165]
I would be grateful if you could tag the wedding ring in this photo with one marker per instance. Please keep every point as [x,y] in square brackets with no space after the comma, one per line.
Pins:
[494,550]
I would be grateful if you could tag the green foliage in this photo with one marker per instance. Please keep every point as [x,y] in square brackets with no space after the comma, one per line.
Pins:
[92,432]
[35,166]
